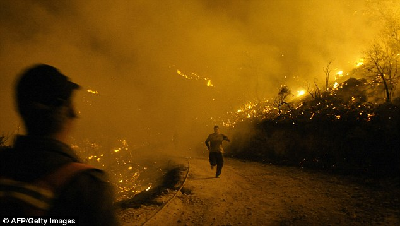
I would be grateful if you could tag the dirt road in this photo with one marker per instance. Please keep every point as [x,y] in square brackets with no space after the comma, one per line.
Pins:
[249,193]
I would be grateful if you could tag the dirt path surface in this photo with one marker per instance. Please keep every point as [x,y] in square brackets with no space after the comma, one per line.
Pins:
[249,193]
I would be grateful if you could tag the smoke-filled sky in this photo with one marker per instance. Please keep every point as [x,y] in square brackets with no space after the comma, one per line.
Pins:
[129,51]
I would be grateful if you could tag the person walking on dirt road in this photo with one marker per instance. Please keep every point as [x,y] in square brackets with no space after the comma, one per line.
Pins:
[214,145]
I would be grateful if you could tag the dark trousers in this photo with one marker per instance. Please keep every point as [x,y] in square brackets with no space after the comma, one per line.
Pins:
[216,158]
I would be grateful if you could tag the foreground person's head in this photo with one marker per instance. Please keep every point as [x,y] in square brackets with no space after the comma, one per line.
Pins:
[44,100]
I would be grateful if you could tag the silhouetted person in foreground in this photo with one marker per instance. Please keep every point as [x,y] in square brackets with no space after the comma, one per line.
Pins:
[41,175]
[214,145]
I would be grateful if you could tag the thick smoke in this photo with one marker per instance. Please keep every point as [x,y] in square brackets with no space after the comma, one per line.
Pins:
[130,51]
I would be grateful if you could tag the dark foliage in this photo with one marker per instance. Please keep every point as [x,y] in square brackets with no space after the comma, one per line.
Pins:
[3,140]
[335,132]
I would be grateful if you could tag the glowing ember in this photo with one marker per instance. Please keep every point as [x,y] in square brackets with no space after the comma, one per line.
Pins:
[336,85]
[249,111]
[125,175]
[301,93]
[194,76]
[92,91]
[360,63]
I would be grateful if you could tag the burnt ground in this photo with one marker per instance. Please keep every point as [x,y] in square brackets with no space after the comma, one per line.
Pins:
[249,193]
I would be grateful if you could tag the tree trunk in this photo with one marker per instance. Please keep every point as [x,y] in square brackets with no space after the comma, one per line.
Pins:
[388,99]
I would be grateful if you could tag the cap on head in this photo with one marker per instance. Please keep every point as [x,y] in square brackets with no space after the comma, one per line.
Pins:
[43,84]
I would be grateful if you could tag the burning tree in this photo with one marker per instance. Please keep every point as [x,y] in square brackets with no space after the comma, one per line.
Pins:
[280,100]
[381,59]
[327,71]
[315,92]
